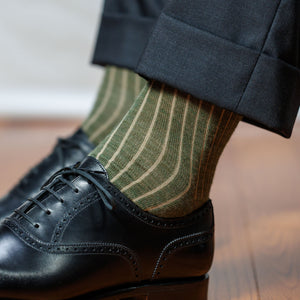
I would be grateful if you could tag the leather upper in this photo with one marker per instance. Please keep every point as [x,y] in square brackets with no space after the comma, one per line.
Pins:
[88,236]
[66,152]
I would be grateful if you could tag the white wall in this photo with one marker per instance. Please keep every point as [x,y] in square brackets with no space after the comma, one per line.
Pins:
[45,50]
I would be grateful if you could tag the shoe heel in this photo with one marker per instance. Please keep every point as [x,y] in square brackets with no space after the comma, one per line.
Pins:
[191,290]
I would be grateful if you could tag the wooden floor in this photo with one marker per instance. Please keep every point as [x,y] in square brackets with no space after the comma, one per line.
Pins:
[256,194]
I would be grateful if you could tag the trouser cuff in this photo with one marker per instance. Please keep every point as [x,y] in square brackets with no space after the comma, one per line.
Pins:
[121,40]
[263,89]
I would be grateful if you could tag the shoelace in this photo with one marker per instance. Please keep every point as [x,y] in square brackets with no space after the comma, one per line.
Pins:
[59,151]
[59,177]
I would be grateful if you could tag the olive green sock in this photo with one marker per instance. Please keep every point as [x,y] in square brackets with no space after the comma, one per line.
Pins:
[119,89]
[164,152]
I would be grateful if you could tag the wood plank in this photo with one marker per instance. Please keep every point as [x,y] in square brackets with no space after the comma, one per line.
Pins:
[231,276]
[268,172]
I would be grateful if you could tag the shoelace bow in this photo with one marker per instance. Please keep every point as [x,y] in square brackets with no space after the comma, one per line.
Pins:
[59,151]
[59,177]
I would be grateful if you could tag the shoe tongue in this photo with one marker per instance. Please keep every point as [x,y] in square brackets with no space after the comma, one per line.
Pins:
[81,138]
[92,164]
[78,135]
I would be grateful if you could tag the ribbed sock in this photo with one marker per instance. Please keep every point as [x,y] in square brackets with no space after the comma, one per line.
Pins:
[119,89]
[164,152]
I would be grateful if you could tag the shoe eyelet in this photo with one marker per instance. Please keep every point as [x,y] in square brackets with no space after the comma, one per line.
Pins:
[36,225]
[76,191]
[48,212]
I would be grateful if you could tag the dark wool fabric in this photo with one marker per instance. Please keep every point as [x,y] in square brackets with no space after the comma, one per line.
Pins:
[124,31]
[242,55]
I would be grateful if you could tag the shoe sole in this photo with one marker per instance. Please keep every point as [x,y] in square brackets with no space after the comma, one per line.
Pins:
[190,289]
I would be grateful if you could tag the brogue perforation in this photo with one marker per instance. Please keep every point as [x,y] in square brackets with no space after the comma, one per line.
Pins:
[106,247]
[179,243]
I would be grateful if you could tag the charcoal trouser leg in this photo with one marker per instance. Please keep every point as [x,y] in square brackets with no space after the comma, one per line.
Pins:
[242,55]
[124,31]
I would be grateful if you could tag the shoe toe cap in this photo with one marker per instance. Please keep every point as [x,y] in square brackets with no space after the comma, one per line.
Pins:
[20,266]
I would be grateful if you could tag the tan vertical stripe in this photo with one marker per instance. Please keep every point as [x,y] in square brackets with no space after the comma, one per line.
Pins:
[118,110]
[116,129]
[208,177]
[107,95]
[191,166]
[146,139]
[137,85]
[171,178]
[209,153]
[130,128]
[164,147]
[220,139]
[142,82]
[203,148]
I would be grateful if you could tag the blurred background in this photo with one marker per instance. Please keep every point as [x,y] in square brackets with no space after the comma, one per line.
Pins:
[46,47]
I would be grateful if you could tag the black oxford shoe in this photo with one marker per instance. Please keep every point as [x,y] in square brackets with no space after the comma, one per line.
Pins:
[67,152]
[81,238]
